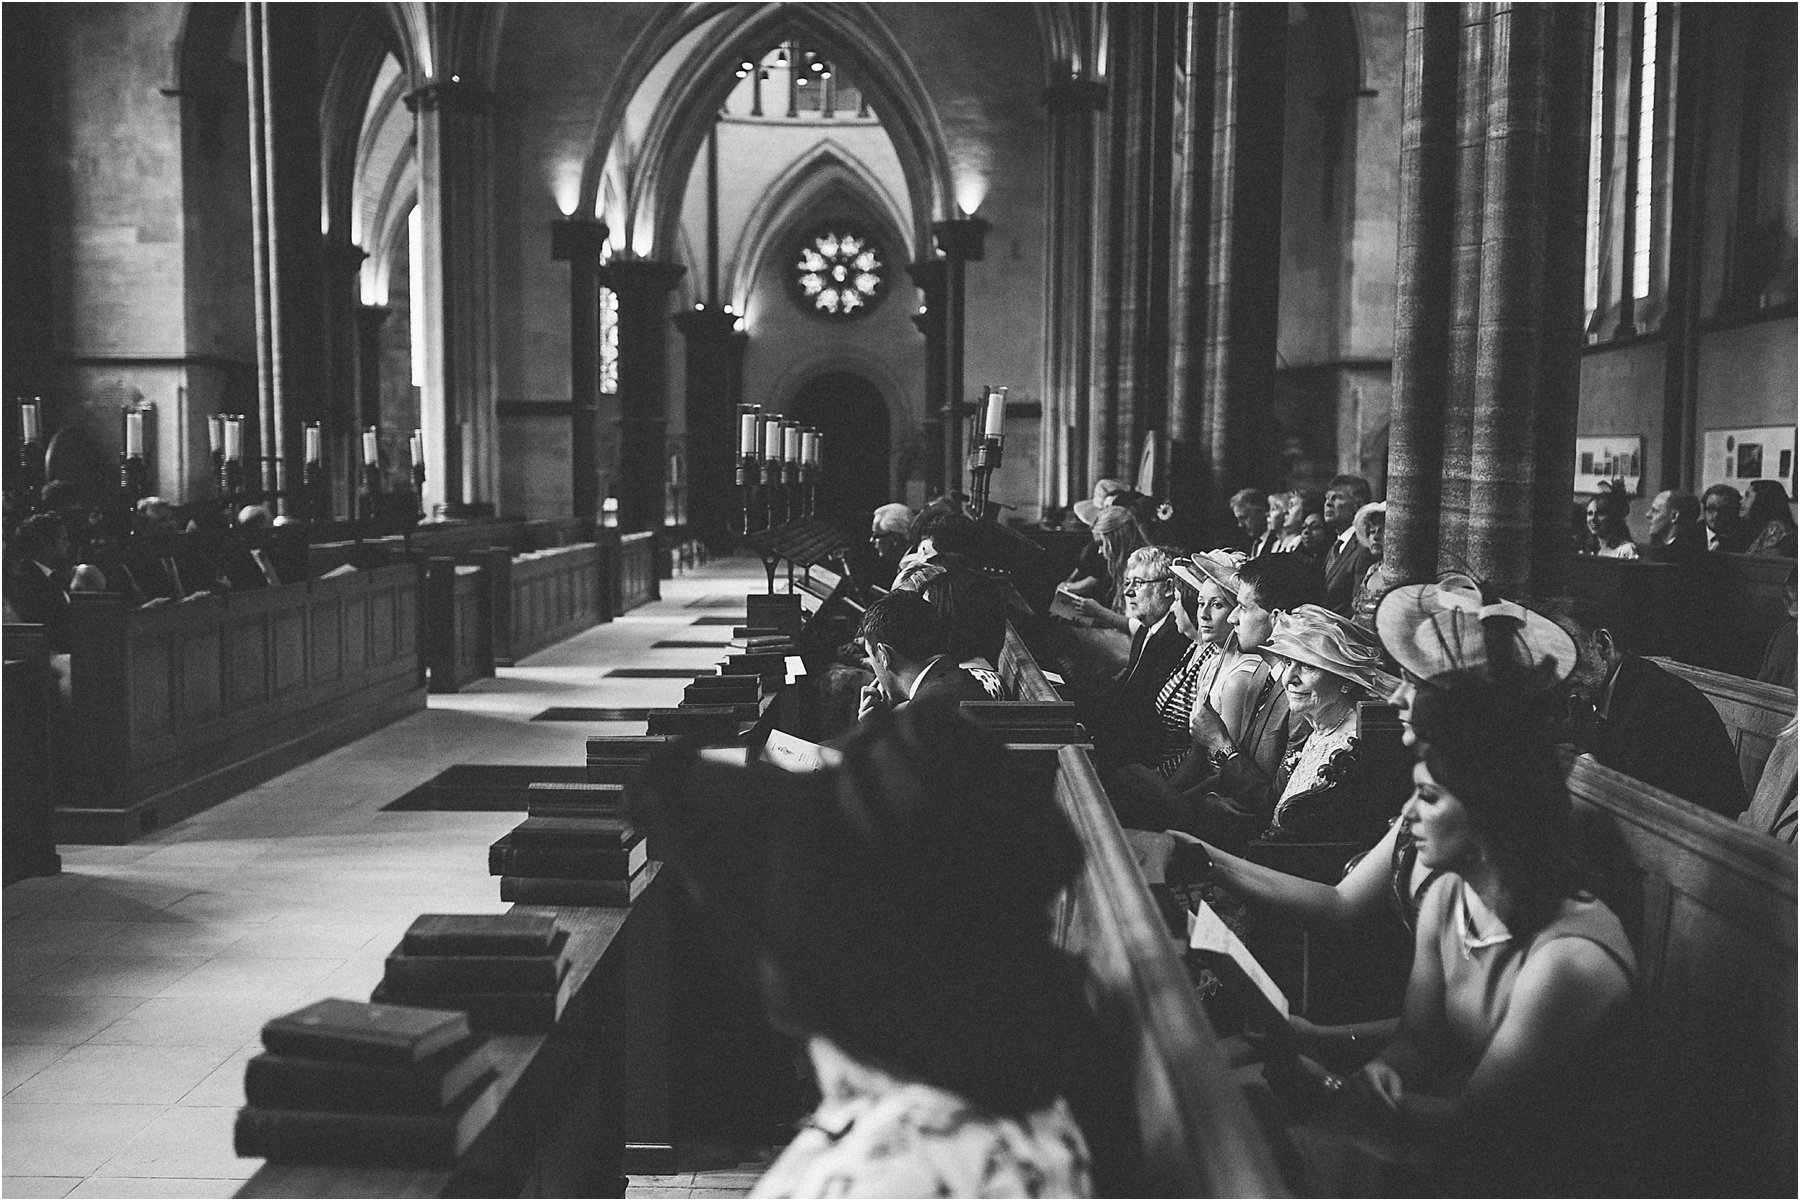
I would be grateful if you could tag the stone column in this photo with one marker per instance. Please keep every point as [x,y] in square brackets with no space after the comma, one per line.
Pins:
[1528,380]
[928,277]
[343,263]
[1244,251]
[1465,283]
[642,286]
[1190,469]
[962,241]
[1687,214]
[1071,122]
[579,243]
[1422,286]
[455,134]
[712,344]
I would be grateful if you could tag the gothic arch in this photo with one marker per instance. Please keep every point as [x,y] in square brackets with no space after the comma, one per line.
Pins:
[828,167]
[902,416]
[851,33]
[348,86]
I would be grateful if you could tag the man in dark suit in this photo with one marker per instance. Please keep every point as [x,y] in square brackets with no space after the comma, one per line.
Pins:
[1676,535]
[1636,718]
[1122,717]
[904,641]
[1250,508]
[1721,512]
[37,585]
[1348,560]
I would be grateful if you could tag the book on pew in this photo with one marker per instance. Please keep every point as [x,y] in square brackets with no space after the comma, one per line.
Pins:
[601,800]
[727,680]
[729,694]
[625,748]
[366,1139]
[480,934]
[507,859]
[489,1012]
[763,642]
[477,973]
[547,890]
[757,632]
[759,664]
[430,1086]
[363,1033]
[570,833]
[711,723]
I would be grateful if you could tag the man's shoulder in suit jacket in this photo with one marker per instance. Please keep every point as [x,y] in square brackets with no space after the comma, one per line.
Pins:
[948,684]
[1662,730]
[1343,573]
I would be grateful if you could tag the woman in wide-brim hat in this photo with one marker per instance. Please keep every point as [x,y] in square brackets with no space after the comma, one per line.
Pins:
[894,912]
[1201,611]
[1328,665]
[1231,681]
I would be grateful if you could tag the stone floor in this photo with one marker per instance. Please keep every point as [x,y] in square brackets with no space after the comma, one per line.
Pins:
[136,982]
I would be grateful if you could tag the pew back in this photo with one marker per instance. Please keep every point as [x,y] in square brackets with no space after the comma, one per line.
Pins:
[1020,677]
[1753,713]
[1710,907]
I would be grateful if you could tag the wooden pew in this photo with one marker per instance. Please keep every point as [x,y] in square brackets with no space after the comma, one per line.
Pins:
[1197,1136]
[179,706]
[1710,908]
[1753,713]
[631,570]
[579,1105]
[1719,616]
[29,694]
[459,625]
[541,597]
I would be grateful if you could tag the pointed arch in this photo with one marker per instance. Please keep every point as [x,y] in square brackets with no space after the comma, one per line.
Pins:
[851,33]
[348,85]
[828,167]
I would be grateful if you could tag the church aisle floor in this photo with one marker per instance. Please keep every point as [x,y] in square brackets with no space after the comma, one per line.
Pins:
[136,982]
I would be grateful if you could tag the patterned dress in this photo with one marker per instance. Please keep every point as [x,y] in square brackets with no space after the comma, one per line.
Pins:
[875,1135]
[1175,701]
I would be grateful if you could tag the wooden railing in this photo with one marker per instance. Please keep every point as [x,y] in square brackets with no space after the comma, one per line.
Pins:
[1718,614]
[178,706]
[553,595]
[459,624]
[1710,908]
[634,571]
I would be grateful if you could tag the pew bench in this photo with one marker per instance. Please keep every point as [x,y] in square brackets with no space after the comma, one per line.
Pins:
[579,1105]
[1753,712]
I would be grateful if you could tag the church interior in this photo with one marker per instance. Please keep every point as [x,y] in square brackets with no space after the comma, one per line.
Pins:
[410,408]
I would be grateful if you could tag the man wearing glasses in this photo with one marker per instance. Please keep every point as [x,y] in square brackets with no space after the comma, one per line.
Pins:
[1122,717]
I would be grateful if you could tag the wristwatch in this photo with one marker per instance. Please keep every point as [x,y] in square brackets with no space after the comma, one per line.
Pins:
[1222,756]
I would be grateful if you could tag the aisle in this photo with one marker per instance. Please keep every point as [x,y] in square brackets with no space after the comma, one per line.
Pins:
[135,983]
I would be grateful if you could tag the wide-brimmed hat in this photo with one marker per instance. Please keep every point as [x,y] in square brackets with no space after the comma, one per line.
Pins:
[1317,636]
[1219,566]
[1434,629]
[1085,510]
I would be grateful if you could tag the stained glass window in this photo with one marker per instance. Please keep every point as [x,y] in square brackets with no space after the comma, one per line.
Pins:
[840,272]
[609,342]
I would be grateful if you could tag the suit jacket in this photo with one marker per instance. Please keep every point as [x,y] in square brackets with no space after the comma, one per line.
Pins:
[942,680]
[1662,730]
[1343,572]
[1687,545]
[1268,544]
[1123,719]
[1237,803]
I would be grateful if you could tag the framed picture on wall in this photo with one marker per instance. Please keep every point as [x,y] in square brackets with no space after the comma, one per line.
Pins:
[1738,456]
[1607,457]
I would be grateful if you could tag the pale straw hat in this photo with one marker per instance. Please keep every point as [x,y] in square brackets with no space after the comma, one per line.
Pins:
[1317,636]
[1435,629]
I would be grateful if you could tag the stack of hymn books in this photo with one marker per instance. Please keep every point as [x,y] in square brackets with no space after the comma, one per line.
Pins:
[618,759]
[505,970]
[709,723]
[580,860]
[341,1082]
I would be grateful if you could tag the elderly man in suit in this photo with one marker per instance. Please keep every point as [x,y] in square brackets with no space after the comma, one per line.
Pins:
[1250,508]
[1676,535]
[904,640]
[1122,717]
[1348,560]
[1636,718]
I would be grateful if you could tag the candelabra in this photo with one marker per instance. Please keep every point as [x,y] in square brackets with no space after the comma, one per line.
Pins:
[31,456]
[134,477]
[989,451]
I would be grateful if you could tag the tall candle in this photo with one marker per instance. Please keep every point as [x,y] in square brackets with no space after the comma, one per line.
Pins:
[772,438]
[417,447]
[312,444]
[819,448]
[28,418]
[134,433]
[609,512]
[234,438]
[371,448]
[809,448]
[215,432]
[790,441]
[996,413]
[747,417]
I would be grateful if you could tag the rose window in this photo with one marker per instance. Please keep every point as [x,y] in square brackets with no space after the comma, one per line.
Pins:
[840,273]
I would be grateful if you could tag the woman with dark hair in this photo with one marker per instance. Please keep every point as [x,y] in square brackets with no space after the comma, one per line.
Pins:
[1498,1078]
[895,911]
[1607,534]
[1767,514]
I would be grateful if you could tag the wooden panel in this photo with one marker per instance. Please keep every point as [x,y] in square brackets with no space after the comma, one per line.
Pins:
[151,682]
[327,617]
[356,634]
[247,661]
[383,625]
[201,673]
[1753,713]
[287,642]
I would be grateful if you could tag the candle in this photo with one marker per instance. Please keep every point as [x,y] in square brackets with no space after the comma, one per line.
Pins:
[747,417]
[215,432]
[790,441]
[772,438]
[996,412]
[417,447]
[312,443]
[819,448]
[371,448]
[28,417]
[609,512]
[809,448]
[234,438]
[134,434]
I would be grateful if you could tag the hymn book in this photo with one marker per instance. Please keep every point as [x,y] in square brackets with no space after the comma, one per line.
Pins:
[351,1030]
